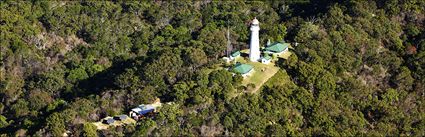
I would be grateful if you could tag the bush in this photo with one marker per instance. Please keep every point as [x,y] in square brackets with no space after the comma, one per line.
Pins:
[251,86]
[89,130]
[77,74]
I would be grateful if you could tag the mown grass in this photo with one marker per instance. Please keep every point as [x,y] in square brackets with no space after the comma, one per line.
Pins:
[268,74]
[260,75]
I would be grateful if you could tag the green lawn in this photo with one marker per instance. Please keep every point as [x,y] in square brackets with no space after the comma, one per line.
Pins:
[260,74]
[285,55]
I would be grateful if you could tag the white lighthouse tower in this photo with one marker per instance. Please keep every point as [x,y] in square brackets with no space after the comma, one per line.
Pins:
[254,52]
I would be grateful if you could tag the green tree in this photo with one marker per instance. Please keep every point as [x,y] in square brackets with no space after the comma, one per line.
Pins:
[391,96]
[403,79]
[221,83]
[214,41]
[3,122]
[20,108]
[127,79]
[83,107]
[89,130]
[51,82]
[39,99]
[180,91]
[165,68]
[55,124]
[77,74]
[325,82]
[291,62]
[227,122]
[143,129]
[195,57]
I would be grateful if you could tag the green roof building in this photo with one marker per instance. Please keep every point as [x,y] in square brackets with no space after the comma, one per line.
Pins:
[242,68]
[235,54]
[277,47]
[266,59]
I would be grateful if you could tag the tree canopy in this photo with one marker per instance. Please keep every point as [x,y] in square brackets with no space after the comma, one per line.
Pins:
[357,67]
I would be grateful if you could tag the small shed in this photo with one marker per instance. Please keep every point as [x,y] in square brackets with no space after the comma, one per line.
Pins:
[109,121]
[143,110]
[120,117]
[266,59]
[243,69]
[235,54]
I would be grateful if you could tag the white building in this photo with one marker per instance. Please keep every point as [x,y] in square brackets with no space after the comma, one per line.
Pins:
[244,69]
[254,53]
[235,55]
[144,110]
[266,59]
[276,48]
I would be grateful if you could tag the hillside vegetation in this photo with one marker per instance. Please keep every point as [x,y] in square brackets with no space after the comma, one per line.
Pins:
[358,68]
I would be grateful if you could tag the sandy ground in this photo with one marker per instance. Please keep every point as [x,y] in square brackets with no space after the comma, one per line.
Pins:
[101,126]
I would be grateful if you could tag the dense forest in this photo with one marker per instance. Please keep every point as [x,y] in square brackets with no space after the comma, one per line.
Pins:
[358,68]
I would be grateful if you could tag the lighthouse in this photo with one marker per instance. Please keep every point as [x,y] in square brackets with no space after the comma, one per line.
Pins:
[254,52]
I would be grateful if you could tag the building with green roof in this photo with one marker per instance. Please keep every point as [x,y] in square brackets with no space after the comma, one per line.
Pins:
[235,54]
[277,47]
[243,69]
[266,59]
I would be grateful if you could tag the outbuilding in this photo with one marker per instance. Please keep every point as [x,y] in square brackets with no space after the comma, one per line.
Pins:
[243,69]
[277,48]
[109,121]
[120,117]
[141,110]
[235,55]
[266,59]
